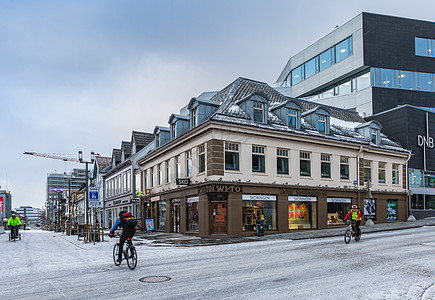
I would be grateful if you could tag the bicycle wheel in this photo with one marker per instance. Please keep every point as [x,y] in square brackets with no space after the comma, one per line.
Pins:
[132,257]
[347,236]
[115,254]
[10,237]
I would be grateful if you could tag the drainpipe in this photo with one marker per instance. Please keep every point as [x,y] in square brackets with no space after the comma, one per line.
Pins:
[357,172]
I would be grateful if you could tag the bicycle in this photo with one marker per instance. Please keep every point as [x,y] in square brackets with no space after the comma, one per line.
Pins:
[13,234]
[129,253]
[350,232]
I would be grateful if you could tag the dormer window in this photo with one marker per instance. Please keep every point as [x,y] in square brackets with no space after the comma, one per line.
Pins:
[374,135]
[258,112]
[174,131]
[157,140]
[321,119]
[292,118]
[194,117]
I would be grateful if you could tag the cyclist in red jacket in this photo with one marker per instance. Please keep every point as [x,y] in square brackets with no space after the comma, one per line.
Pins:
[355,214]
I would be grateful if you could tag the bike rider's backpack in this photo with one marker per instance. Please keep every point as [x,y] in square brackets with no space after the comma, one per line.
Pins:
[131,222]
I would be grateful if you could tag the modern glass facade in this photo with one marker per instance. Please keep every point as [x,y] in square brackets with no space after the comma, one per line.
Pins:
[424,47]
[405,80]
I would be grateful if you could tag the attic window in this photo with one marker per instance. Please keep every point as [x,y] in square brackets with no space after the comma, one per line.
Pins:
[292,118]
[321,123]
[258,112]
[194,117]
[158,140]
[374,136]
[174,130]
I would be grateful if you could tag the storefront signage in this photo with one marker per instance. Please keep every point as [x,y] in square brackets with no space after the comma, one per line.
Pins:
[1,204]
[116,202]
[156,198]
[192,199]
[302,198]
[259,197]
[289,191]
[428,141]
[221,188]
[338,200]
[369,208]
[182,181]
[176,200]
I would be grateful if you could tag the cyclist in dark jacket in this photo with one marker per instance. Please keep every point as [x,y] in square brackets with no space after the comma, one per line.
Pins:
[127,231]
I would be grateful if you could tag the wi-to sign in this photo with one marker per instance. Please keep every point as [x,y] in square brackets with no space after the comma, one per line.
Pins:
[421,140]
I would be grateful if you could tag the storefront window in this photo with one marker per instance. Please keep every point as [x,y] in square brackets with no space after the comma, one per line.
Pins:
[429,180]
[417,201]
[337,209]
[193,213]
[430,202]
[162,215]
[302,212]
[256,208]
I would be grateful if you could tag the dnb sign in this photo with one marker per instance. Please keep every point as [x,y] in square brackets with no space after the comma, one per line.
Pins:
[427,141]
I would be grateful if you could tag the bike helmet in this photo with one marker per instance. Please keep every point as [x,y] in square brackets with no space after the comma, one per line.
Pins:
[354,206]
[121,213]
[14,215]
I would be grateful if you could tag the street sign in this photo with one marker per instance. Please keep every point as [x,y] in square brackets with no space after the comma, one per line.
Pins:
[93,193]
[355,182]
[94,203]
[183,181]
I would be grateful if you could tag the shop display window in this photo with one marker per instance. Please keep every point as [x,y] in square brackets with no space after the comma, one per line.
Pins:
[417,201]
[254,210]
[337,212]
[162,215]
[193,216]
[302,215]
[430,202]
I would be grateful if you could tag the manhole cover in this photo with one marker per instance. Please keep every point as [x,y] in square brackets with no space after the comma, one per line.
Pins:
[155,279]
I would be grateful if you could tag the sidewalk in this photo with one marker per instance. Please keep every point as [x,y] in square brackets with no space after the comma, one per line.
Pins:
[159,239]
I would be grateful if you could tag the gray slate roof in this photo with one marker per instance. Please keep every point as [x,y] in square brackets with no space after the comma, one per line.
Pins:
[343,121]
[126,146]
[142,138]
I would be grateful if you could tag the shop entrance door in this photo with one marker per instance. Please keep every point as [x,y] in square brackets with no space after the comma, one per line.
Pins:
[176,216]
[218,217]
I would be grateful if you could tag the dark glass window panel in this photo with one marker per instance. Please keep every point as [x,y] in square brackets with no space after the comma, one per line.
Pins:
[344,171]
[305,166]
[231,161]
[282,165]
[325,170]
[258,163]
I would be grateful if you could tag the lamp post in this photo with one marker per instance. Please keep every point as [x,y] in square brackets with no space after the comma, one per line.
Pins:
[87,185]
[69,196]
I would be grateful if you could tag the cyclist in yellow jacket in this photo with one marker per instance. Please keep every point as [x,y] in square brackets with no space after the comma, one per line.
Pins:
[14,222]
[355,214]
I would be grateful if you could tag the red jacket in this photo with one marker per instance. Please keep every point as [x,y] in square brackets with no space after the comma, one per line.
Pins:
[350,213]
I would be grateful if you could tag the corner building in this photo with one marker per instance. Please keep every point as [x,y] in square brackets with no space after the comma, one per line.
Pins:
[251,153]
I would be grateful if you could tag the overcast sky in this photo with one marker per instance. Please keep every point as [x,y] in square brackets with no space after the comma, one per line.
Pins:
[82,75]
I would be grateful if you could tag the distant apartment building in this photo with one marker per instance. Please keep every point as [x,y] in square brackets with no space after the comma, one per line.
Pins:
[31,213]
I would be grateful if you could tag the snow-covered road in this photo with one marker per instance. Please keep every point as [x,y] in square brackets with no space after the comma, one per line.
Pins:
[388,265]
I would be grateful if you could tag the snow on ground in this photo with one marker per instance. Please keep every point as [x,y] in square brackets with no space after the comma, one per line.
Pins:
[387,265]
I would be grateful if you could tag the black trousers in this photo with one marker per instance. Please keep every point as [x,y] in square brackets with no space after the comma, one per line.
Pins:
[122,240]
[357,230]
[14,228]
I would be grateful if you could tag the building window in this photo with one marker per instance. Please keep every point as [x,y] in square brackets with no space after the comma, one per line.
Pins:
[374,135]
[345,88]
[160,171]
[259,207]
[326,59]
[387,78]
[193,213]
[325,167]
[152,177]
[367,172]
[177,167]
[174,130]
[258,159]
[157,140]
[201,159]
[337,209]
[231,156]
[297,75]
[312,67]
[415,176]
[194,116]
[282,161]
[344,167]
[405,80]
[292,118]
[128,182]
[424,47]
[381,172]
[343,49]
[321,121]
[258,112]
[168,171]
[302,212]
[425,82]
[145,177]
[189,163]
[305,163]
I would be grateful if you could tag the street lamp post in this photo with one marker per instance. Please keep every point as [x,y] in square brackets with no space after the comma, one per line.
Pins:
[87,184]
[69,196]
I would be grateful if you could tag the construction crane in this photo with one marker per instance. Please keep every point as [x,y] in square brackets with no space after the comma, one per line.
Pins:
[51,156]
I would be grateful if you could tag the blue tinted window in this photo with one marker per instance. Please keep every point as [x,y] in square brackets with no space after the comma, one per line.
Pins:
[387,78]
[326,59]
[426,82]
[424,47]
[292,118]
[297,75]
[311,67]
[405,80]
[342,50]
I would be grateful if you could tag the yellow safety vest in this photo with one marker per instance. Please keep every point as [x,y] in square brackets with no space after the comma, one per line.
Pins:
[355,215]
